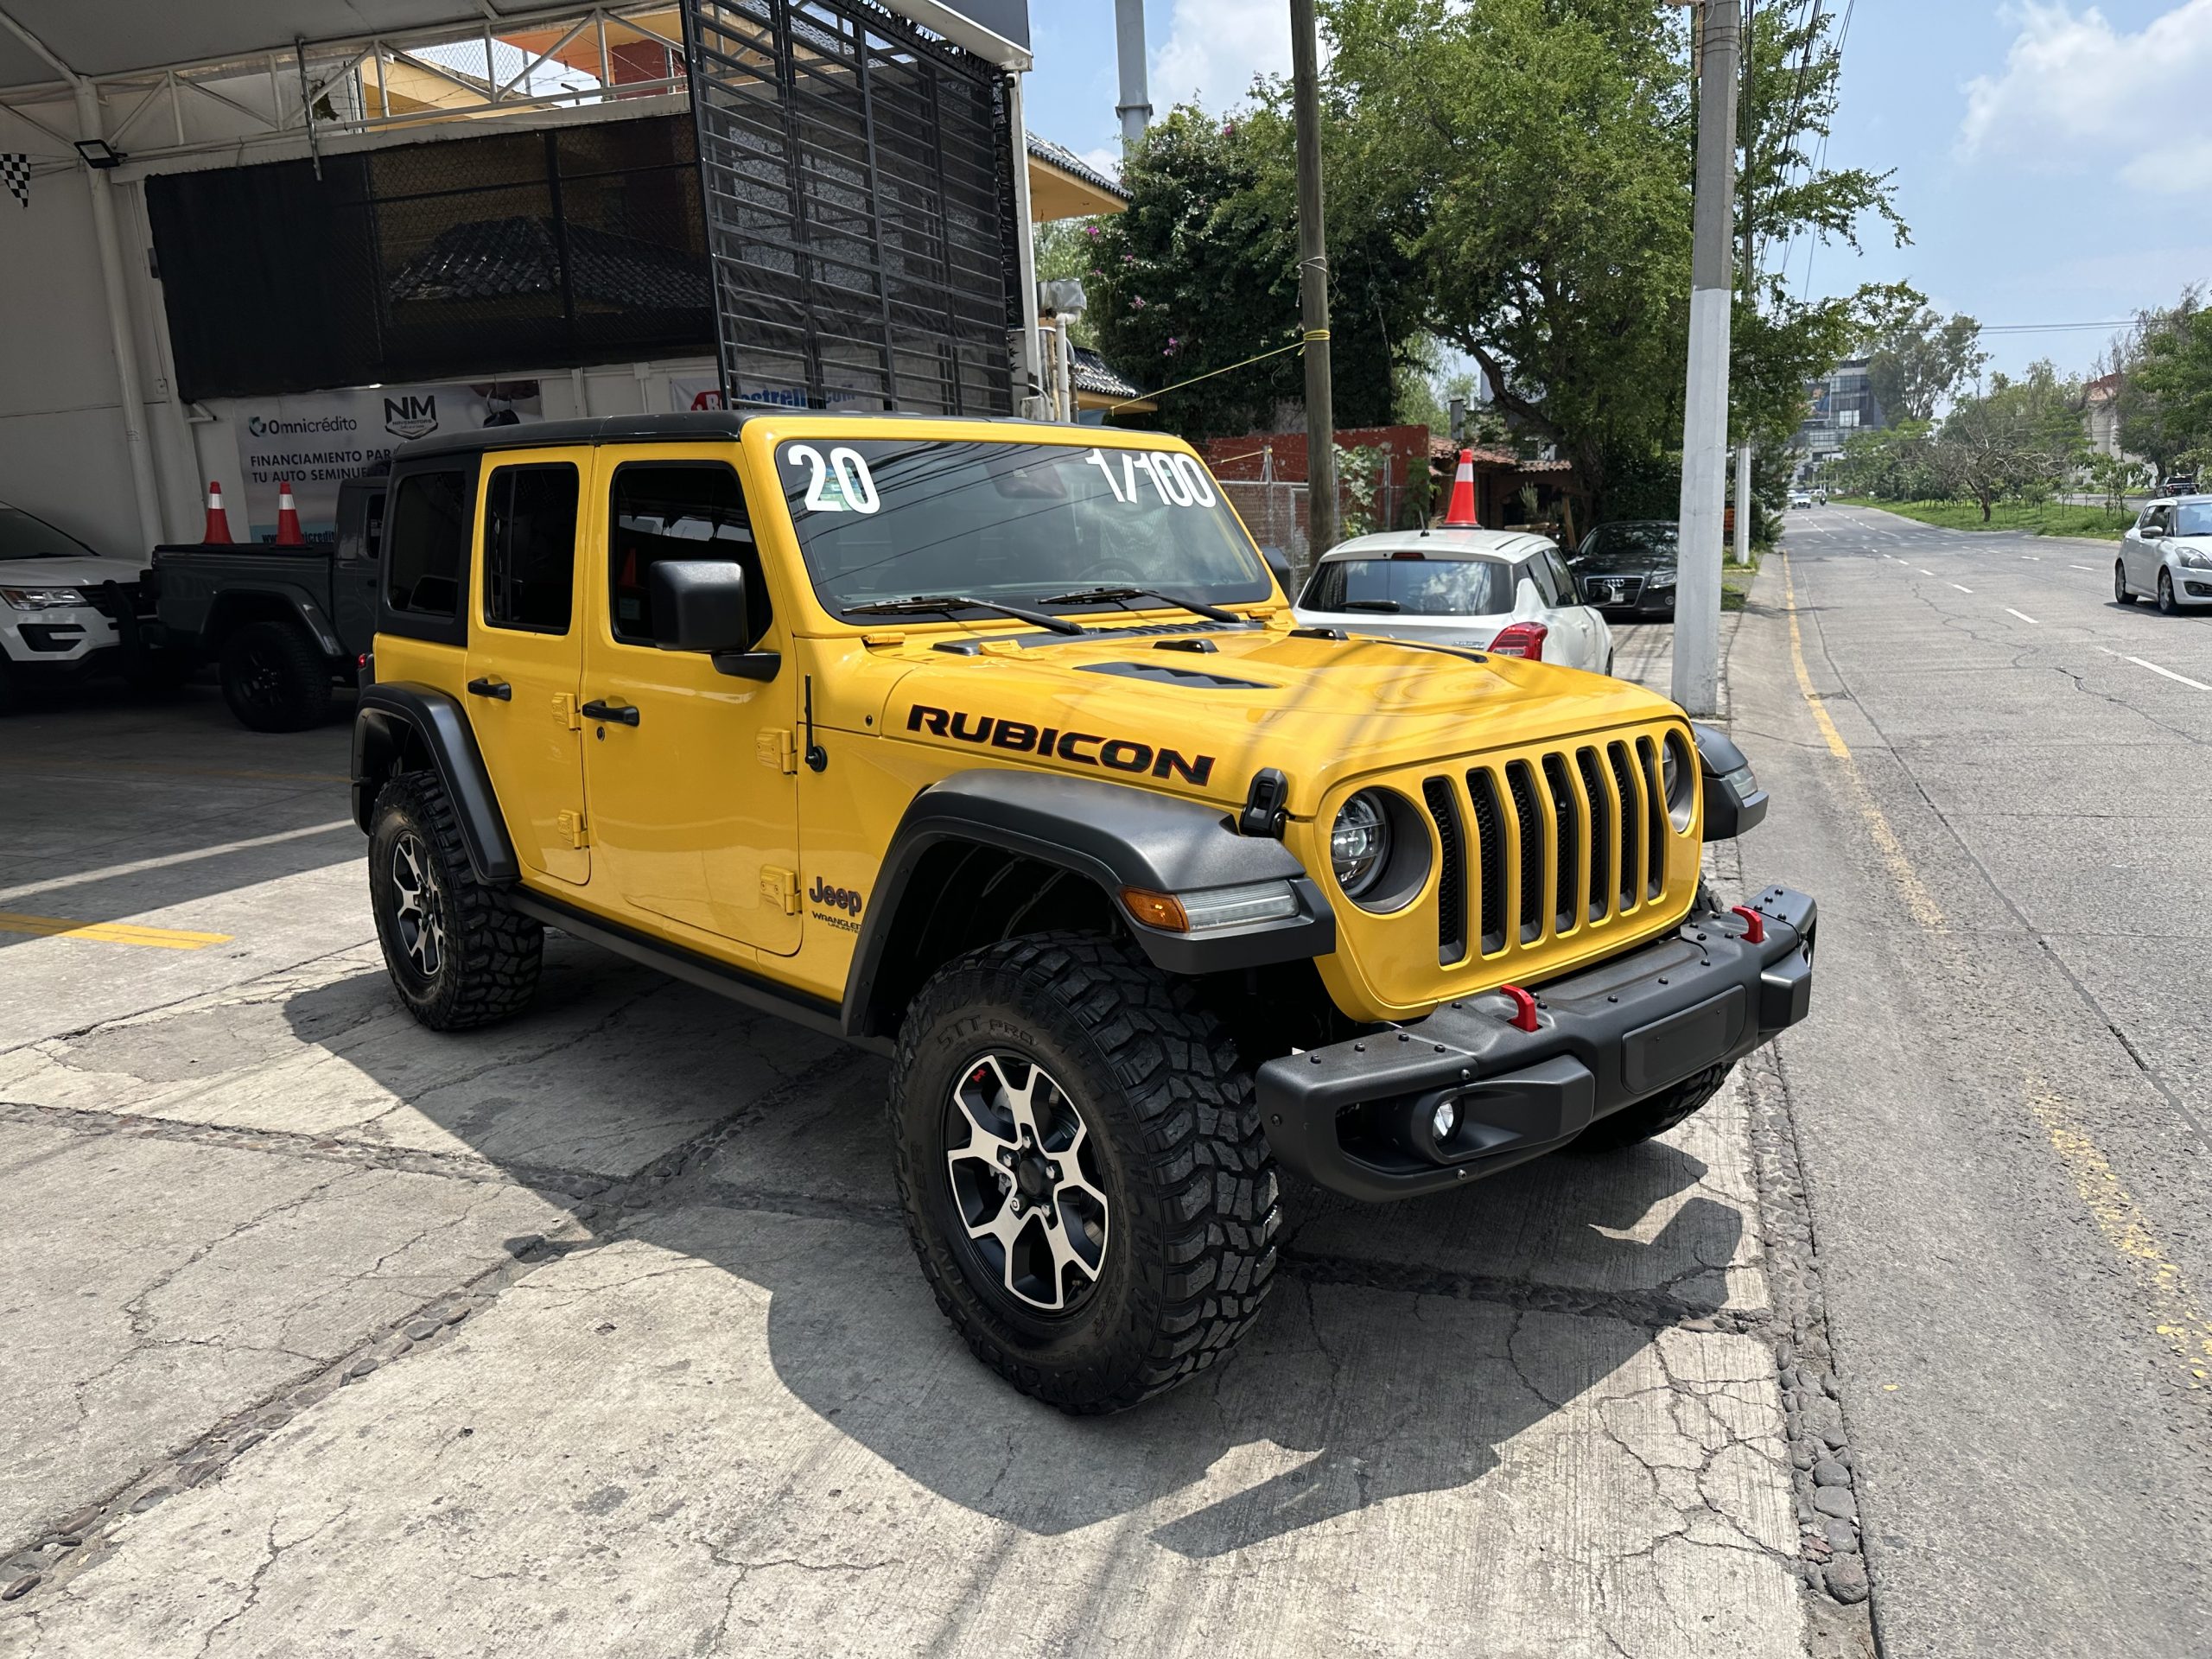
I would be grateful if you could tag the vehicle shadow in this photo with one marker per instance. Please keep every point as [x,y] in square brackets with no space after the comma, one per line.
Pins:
[1343,1395]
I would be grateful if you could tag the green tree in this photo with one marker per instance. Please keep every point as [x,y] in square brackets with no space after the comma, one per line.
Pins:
[1537,157]
[1916,359]
[1201,273]
[2018,441]
[2165,396]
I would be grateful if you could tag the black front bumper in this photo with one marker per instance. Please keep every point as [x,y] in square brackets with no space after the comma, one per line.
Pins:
[1355,1116]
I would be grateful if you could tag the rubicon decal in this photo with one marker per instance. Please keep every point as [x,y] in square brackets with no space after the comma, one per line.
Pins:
[1086,748]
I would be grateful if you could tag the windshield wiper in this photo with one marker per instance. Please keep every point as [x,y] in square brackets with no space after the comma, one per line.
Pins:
[1212,612]
[1387,607]
[947,604]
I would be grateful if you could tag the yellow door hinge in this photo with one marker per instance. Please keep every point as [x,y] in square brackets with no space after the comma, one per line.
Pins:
[564,710]
[777,751]
[573,826]
[780,887]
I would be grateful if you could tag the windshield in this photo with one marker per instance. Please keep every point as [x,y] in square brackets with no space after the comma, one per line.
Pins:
[1610,540]
[2193,519]
[23,536]
[883,519]
[1414,587]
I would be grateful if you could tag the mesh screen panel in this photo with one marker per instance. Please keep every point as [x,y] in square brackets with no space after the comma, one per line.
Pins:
[859,201]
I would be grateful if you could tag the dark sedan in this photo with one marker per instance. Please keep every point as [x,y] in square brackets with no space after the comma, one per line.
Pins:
[1627,570]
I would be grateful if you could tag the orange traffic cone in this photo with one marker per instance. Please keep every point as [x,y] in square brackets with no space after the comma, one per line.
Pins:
[288,517]
[218,523]
[1459,514]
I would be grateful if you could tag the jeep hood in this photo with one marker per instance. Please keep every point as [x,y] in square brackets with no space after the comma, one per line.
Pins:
[1323,711]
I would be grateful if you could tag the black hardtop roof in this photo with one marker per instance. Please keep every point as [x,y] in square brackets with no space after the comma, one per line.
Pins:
[705,425]
[702,423]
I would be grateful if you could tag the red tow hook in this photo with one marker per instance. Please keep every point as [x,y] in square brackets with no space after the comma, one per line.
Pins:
[1524,1007]
[1754,924]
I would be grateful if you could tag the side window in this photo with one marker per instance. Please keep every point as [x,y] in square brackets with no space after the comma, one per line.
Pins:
[1538,572]
[429,545]
[529,548]
[2158,521]
[1562,583]
[372,525]
[677,509]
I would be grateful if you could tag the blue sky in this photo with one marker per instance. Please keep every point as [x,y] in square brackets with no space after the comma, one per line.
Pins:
[2053,160]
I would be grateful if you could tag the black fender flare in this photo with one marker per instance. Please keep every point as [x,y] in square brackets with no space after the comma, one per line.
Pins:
[1115,834]
[304,607]
[398,718]
[1734,802]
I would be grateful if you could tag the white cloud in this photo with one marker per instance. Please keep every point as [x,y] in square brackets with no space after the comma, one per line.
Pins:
[1214,47]
[1106,161]
[2076,95]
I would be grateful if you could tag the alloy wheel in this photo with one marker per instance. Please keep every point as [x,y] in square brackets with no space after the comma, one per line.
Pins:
[2166,592]
[1030,1212]
[418,907]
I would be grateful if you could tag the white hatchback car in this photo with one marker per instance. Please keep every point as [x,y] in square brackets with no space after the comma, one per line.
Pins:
[2167,556]
[1501,590]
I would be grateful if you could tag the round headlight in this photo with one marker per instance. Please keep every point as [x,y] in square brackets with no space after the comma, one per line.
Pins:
[1678,778]
[1359,843]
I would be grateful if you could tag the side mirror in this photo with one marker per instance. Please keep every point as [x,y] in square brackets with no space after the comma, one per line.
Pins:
[700,605]
[1285,577]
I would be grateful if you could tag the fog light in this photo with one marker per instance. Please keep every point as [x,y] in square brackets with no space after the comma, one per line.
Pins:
[1445,1120]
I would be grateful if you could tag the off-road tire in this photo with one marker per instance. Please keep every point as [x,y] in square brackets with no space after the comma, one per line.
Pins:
[2167,605]
[275,679]
[485,966]
[1633,1125]
[2121,593]
[1181,1155]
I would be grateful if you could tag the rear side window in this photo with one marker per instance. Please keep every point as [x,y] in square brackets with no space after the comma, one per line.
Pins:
[677,511]
[529,548]
[429,544]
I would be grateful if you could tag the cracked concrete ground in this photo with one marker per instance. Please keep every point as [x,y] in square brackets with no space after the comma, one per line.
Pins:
[597,1334]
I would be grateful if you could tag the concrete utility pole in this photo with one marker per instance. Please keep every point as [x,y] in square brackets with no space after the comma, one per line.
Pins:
[1135,107]
[1705,411]
[1313,286]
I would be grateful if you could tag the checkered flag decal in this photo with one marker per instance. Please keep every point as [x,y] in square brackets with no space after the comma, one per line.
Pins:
[15,174]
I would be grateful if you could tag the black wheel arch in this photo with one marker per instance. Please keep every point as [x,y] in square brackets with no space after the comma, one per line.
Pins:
[236,607]
[987,854]
[399,727]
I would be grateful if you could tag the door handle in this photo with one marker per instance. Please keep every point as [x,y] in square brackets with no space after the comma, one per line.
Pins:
[485,686]
[622,713]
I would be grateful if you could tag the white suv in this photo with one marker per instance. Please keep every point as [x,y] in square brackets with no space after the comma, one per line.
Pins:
[52,592]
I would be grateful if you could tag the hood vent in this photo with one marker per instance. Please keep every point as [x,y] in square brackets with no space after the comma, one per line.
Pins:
[1169,674]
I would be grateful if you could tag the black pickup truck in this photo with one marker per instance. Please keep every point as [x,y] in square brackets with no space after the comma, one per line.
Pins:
[285,626]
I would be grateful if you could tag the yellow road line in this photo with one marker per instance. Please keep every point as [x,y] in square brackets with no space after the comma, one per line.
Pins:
[2178,1317]
[1917,899]
[60,927]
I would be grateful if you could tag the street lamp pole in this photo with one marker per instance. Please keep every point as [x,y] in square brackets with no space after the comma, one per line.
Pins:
[1313,286]
[1704,412]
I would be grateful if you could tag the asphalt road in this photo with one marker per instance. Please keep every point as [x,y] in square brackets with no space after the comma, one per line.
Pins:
[1997,782]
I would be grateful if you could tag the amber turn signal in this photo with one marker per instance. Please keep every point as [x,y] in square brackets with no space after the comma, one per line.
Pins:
[1160,910]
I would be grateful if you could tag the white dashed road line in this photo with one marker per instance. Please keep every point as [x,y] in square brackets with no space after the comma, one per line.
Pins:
[2023,615]
[1963,590]
[2170,674]
[1925,572]
[2080,567]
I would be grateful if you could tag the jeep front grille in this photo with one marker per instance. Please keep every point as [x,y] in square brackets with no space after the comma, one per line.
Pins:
[1536,847]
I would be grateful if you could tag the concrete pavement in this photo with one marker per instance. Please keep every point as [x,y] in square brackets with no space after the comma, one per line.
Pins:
[596,1333]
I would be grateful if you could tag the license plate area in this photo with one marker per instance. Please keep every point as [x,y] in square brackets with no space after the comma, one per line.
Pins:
[1668,1050]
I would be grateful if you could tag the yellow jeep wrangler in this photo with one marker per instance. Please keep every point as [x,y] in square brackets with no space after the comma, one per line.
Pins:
[994,747]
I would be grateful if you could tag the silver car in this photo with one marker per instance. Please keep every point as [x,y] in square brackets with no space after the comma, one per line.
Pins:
[2167,554]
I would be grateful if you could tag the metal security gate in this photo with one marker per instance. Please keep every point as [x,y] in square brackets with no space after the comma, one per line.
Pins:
[859,208]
